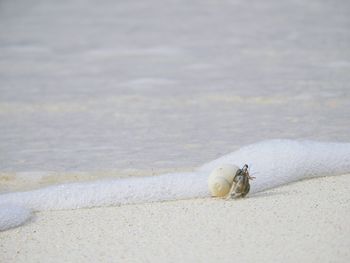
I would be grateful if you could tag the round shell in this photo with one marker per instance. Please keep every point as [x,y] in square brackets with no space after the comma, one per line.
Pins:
[220,180]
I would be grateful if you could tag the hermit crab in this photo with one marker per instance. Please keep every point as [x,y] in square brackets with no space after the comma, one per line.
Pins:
[230,181]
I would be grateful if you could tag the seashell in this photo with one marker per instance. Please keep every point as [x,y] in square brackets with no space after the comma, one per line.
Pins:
[221,178]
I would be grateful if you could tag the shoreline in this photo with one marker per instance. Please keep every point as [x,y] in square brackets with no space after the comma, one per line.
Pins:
[307,220]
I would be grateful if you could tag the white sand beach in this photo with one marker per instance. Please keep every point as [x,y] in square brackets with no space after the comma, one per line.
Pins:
[307,221]
[92,91]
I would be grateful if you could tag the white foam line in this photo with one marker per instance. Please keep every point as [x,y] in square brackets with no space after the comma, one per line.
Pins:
[273,162]
[278,162]
[111,192]
[12,216]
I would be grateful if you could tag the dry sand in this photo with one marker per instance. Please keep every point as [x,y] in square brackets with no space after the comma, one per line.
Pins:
[303,222]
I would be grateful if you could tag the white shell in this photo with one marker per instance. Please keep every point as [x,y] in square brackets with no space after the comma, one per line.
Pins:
[220,180]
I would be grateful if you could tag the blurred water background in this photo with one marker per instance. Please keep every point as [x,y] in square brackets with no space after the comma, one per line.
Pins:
[92,89]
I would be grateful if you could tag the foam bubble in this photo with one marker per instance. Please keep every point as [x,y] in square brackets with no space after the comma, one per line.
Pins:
[277,162]
[13,216]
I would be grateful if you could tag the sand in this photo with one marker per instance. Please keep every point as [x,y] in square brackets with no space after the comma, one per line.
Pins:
[91,90]
[307,221]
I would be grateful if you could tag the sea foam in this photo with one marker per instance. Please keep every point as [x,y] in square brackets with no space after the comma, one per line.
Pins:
[13,216]
[273,162]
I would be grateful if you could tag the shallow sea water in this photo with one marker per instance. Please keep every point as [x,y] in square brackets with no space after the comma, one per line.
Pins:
[91,90]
